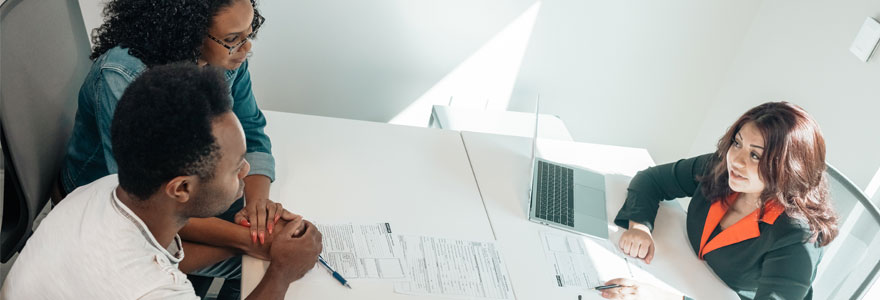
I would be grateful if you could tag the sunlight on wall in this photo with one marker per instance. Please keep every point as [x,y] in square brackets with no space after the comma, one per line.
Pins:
[483,80]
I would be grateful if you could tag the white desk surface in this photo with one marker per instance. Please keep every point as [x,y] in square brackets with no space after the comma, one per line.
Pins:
[499,122]
[501,166]
[340,171]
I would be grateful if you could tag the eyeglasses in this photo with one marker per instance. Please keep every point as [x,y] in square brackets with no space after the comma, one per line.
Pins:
[232,49]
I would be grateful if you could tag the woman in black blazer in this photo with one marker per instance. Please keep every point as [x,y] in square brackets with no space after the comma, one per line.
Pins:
[760,212]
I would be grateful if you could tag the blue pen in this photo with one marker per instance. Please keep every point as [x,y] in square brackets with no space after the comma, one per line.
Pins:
[335,274]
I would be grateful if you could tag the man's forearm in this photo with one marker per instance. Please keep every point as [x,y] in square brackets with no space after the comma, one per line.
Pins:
[198,256]
[272,286]
[216,232]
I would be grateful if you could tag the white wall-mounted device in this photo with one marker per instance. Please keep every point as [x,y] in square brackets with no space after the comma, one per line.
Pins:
[866,40]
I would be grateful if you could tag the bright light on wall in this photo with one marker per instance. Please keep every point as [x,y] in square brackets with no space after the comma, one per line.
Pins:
[483,80]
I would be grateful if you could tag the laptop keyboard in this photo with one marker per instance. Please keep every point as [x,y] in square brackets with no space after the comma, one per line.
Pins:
[555,196]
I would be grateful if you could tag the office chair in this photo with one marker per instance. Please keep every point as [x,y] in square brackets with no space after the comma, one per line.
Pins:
[851,262]
[44,53]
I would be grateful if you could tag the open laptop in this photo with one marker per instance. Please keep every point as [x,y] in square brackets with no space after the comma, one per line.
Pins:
[565,197]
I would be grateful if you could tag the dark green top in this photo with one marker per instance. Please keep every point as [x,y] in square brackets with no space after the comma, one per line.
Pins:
[778,264]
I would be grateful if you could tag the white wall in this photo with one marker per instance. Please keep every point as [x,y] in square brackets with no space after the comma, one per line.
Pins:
[367,60]
[646,69]
[798,51]
[637,67]
[632,73]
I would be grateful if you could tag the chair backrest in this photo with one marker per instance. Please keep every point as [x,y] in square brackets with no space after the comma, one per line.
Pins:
[851,262]
[44,53]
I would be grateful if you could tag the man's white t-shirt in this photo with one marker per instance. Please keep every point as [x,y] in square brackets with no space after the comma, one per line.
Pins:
[91,246]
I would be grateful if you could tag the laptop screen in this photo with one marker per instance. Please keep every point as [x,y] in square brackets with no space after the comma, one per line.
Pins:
[534,144]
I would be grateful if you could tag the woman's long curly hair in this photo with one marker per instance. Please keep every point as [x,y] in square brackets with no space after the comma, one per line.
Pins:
[792,166]
[160,31]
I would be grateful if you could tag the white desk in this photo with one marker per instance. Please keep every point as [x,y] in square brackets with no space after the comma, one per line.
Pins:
[339,171]
[501,166]
[420,180]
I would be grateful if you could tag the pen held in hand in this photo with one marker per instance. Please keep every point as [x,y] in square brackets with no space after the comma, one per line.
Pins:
[605,287]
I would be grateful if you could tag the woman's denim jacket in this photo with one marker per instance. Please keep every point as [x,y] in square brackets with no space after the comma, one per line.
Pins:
[89,152]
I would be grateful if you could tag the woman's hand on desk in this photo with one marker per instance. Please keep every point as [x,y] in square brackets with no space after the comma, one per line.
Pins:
[261,250]
[261,215]
[632,290]
[274,212]
[260,212]
[637,242]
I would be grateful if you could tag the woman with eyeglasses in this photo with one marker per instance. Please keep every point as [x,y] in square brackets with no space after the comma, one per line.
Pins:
[138,35]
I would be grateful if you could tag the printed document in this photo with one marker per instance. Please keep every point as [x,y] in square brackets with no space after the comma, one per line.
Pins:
[362,251]
[582,262]
[586,262]
[453,268]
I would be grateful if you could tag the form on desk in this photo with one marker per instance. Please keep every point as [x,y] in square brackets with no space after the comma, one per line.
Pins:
[586,262]
[362,251]
[420,265]
[454,268]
